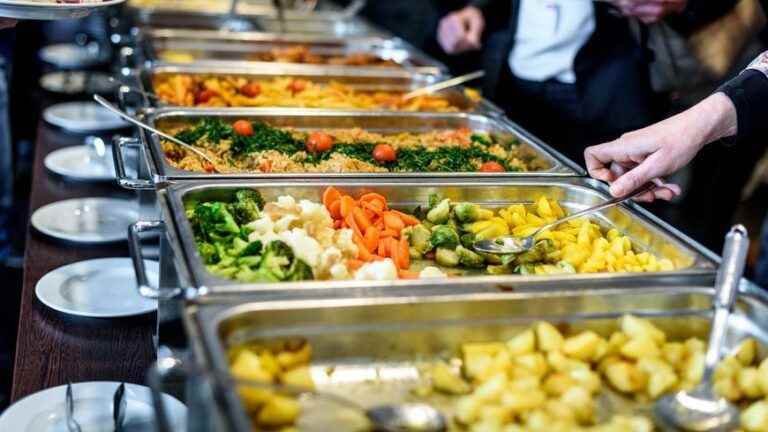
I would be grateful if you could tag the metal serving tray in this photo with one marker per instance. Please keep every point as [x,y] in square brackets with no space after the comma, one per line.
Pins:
[380,79]
[375,347]
[217,48]
[334,23]
[390,122]
[695,264]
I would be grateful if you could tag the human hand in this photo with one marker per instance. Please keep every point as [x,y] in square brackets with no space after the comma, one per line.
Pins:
[7,23]
[650,11]
[647,154]
[461,31]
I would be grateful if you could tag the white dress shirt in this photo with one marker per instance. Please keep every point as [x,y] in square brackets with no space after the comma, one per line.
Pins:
[549,35]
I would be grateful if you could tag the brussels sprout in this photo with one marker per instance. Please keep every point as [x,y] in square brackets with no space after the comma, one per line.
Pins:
[566,267]
[444,236]
[537,253]
[468,258]
[468,212]
[467,240]
[446,257]
[434,200]
[490,258]
[497,270]
[440,213]
[525,269]
[419,239]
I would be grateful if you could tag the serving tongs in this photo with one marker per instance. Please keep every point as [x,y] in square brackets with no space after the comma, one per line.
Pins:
[442,85]
[129,118]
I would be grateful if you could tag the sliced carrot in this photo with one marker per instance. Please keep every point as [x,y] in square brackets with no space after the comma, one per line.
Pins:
[407,274]
[379,224]
[362,250]
[406,218]
[388,233]
[330,195]
[361,219]
[373,196]
[405,253]
[381,250]
[378,211]
[335,209]
[395,253]
[354,264]
[350,221]
[337,224]
[371,238]
[392,221]
[347,204]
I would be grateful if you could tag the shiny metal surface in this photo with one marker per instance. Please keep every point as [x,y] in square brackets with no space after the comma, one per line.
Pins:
[390,122]
[215,47]
[647,232]
[701,409]
[411,332]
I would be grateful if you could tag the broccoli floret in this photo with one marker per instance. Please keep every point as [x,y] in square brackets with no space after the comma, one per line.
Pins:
[468,258]
[481,138]
[446,257]
[444,236]
[208,253]
[419,239]
[300,271]
[276,261]
[247,205]
[440,213]
[252,249]
[214,222]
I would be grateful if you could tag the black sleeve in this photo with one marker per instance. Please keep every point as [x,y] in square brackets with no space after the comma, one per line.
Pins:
[749,93]
[497,13]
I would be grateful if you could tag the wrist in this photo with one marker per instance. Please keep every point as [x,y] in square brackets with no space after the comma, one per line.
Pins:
[718,118]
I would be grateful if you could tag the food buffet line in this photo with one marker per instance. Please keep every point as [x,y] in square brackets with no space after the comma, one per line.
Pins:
[320,233]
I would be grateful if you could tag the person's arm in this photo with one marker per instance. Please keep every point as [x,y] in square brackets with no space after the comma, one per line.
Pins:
[738,109]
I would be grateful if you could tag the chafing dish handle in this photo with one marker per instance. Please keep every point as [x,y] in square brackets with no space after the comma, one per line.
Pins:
[120,173]
[137,257]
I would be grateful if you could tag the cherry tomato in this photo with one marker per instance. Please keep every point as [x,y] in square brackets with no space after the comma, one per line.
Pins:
[384,153]
[319,142]
[252,89]
[204,96]
[208,167]
[492,166]
[297,86]
[243,127]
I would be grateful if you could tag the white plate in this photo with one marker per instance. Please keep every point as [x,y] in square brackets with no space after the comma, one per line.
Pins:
[100,288]
[48,10]
[83,117]
[87,220]
[44,411]
[79,163]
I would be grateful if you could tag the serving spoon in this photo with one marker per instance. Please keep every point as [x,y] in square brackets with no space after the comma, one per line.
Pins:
[122,114]
[512,245]
[442,85]
[701,410]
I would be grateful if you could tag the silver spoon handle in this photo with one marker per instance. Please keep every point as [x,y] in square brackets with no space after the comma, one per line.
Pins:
[442,85]
[726,288]
[610,203]
[103,102]
[135,89]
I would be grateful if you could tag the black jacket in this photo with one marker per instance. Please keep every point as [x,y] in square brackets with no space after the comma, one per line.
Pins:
[612,36]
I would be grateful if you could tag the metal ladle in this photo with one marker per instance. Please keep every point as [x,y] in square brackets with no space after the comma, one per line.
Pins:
[701,410]
[512,245]
[117,111]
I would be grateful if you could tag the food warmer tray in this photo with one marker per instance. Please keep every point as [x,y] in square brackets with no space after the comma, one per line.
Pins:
[219,48]
[694,263]
[335,23]
[380,79]
[160,172]
[411,332]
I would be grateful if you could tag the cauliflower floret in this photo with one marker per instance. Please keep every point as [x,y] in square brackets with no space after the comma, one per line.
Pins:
[431,272]
[315,213]
[378,270]
[262,225]
[284,223]
[304,246]
[339,272]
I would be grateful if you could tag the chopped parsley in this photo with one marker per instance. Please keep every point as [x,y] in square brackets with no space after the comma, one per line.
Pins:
[212,131]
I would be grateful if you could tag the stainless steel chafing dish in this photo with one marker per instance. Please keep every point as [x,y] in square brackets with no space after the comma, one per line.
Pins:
[694,263]
[411,332]
[380,79]
[161,172]
[215,47]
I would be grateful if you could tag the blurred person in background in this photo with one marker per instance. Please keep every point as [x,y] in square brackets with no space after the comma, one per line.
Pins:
[570,71]
[738,112]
